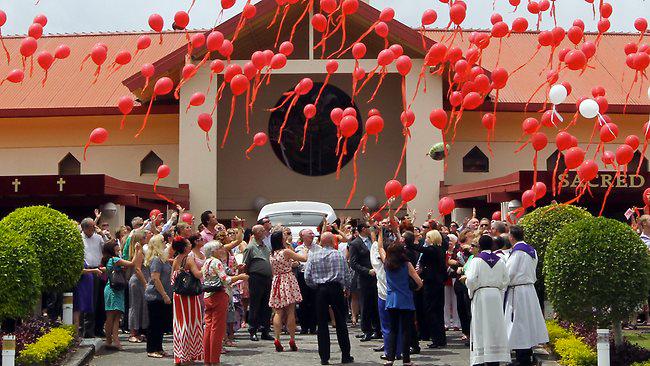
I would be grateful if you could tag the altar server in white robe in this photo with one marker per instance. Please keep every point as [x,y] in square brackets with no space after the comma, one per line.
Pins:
[486,279]
[524,318]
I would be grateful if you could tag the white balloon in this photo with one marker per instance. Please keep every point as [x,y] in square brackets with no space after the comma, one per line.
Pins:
[557,94]
[589,108]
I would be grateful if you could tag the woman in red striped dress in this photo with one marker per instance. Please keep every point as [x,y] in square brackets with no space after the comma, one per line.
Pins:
[188,327]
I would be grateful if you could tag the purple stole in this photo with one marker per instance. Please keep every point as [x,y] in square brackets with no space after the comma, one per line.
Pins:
[524,248]
[490,258]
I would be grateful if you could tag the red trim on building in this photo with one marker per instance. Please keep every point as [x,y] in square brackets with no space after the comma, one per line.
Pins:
[84,111]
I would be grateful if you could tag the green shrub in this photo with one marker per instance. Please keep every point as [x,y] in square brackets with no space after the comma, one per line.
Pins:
[597,271]
[20,275]
[556,332]
[542,224]
[47,348]
[56,240]
[644,363]
[574,352]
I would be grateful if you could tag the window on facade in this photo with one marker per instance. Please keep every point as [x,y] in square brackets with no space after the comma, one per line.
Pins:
[476,161]
[150,164]
[550,162]
[634,164]
[318,157]
[69,165]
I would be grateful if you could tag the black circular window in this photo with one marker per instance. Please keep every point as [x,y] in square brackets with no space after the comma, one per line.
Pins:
[319,154]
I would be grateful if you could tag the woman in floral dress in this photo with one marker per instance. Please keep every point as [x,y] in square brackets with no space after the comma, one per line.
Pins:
[285,292]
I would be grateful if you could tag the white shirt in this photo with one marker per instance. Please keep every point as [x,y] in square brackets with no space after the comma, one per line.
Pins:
[378,266]
[93,249]
[267,241]
[313,248]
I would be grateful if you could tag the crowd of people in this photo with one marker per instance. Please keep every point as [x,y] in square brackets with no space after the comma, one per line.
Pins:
[408,285]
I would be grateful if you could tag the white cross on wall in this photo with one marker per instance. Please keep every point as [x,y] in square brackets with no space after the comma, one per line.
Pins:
[60,182]
[15,183]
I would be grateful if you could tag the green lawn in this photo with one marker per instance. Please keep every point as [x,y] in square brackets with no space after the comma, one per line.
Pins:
[636,337]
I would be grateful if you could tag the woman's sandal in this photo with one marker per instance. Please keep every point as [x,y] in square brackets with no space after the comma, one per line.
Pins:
[134,339]
[155,355]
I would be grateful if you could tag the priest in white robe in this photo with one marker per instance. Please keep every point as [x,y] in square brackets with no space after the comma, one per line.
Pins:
[524,317]
[486,279]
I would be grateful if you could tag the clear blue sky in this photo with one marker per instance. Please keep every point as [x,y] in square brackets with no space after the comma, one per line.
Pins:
[68,16]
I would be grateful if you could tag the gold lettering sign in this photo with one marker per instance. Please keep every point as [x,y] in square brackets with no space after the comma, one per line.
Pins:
[604,180]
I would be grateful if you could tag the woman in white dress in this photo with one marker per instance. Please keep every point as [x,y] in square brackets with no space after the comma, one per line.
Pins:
[486,278]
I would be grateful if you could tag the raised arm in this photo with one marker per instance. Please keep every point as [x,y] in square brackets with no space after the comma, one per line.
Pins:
[302,257]
[414,275]
[236,242]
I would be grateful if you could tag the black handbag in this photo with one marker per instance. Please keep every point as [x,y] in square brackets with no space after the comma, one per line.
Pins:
[186,284]
[213,284]
[116,277]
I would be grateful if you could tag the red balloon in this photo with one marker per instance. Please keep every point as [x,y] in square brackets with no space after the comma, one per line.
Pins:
[608,157]
[332,66]
[319,22]
[40,19]
[404,65]
[249,11]
[381,29]
[309,111]
[35,31]
[603,25]
[349,126]
[530,125]
[575,34]
[624,154]
[558,35]
[227,4]
[540,190]
[429,17]
[278,61]
[154,214]
[579,23]
[336,115]
[495,18]
[16,76]
[500,30]
[28,46]
[472,101]
[359,50]
[214,41]
[563,141]
[187,218]
[98,135]
[98,54]
[408,118]
[197,40]
[575,60]
[286,48]
[163,86]
[385,58]
[545,38]
[574,157]
[62,52]
[436,54]
[125,104]
[641,61]
[489,120]
[539,141]
[641,24]
[496,216]
[163,171]
[205,121]
[156,22]
[446,206]
[260,139]
[608,132]
[45,60]
[528,198]
[181,19]
[499,78]
[123,58]
[387,15]
[304,86]
[350,111]
[197,99]
[632,141]
[239,84]
[249,70]
[393,188]
[646,197]
[588,170]
[457,13]
[409,191]
[438,118]
[147,70]
[606,10]
[630,48]
[374,125]
[374,112]
[567,86]
[519,25]
[226,48]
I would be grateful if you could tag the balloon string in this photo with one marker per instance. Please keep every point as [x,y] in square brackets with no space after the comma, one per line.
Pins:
[86,148]
[458,117]
[343,36]
[304,134]
[31,66]
[308,8]
[355,170]
[80,68]
[361,38]
[248,97]
[255,89]
[99,70]
[284,16]
[382,74]
[554,180]
[161,38]
[232,112]
[368,77]
[609,190]
[380,210]
[627,96]
[7,51]
[498,53]
[522,146]
[401,159]
[286,116]
[191,5]
[275,16]
[573,121]
[343,153]
[240,24]
[399,208]
[533,95]
[122,122]
[593,133]
[325,37]
[249,150]
[146,84]
[207,141]
[526,63]
[44,79]
[404,92]
[645,148]
[354,80]
[146,116]
[320,92]
[417,86]
[561,182]
[155,184]
[289,96]
[535,169]
[338,142]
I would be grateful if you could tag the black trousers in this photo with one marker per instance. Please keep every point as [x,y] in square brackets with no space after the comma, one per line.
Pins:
[259,313]
[331,294]
[157,316]
[369,311]
[306,308]
[422,329]
[463,306]
[524,357]
[402,323]
[434,300]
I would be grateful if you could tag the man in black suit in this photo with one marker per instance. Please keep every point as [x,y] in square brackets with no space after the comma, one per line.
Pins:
[434,274]
[359,250]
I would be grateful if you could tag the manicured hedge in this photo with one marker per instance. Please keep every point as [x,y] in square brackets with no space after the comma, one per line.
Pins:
[57,242]
[47,348]
[20,275]
[572,350]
